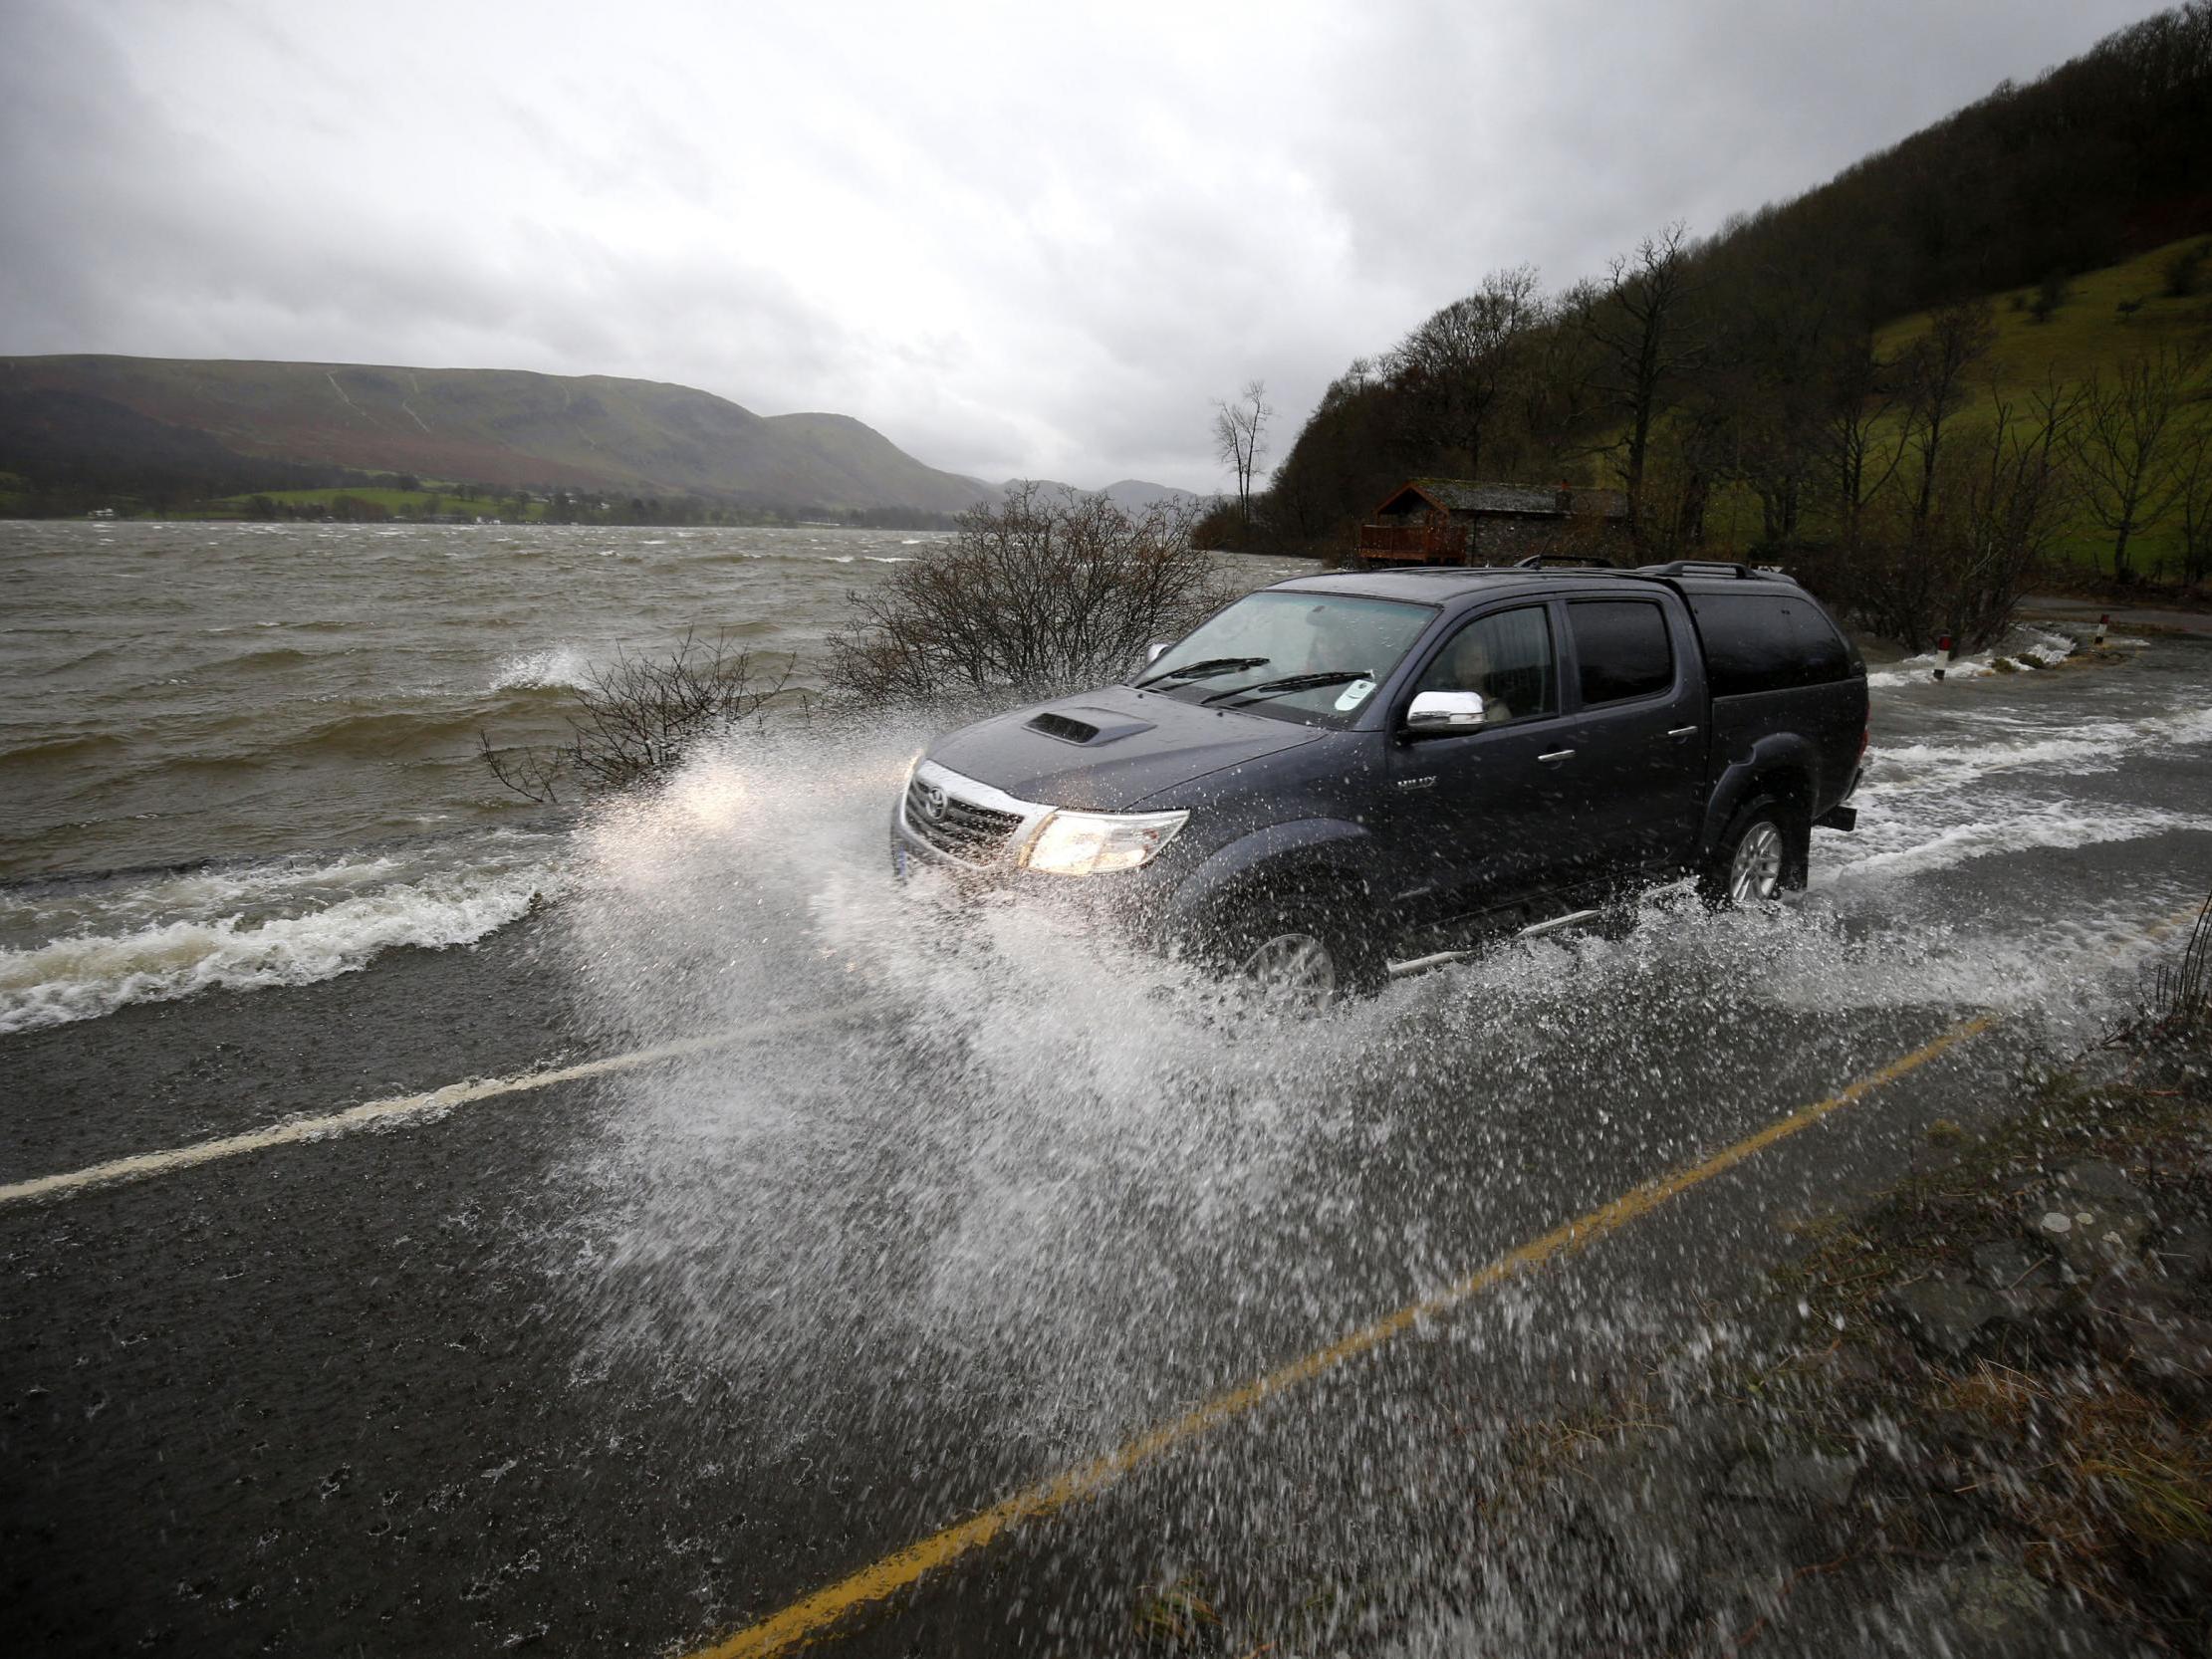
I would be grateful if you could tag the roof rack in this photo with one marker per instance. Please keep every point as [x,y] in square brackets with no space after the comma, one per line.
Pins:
[1706,567]
[1537,560]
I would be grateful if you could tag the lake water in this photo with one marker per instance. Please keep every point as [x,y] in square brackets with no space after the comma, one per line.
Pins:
[247,753]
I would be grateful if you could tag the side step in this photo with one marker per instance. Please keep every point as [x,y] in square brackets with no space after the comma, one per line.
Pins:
[1535,930]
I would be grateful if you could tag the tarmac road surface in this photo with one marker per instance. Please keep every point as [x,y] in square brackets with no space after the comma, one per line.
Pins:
[633,1362]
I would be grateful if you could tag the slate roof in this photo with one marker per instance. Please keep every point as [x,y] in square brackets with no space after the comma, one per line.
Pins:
[1464,495]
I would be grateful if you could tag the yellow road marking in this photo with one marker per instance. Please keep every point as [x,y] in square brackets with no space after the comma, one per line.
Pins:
[810,1618]
[432,1105]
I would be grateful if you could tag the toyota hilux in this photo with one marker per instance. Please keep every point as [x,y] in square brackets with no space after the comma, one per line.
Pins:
[1349,774]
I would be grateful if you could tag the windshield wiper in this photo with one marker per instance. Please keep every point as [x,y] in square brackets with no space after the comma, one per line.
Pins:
[1277,688]
[1206,670]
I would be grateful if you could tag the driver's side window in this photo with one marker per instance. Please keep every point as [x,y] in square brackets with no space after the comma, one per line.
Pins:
[1507,657]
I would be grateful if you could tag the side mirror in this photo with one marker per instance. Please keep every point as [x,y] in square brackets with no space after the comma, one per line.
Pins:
[1446,711]
[1155,650]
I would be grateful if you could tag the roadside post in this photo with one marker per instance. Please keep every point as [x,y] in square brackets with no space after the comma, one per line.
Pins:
[1942,655]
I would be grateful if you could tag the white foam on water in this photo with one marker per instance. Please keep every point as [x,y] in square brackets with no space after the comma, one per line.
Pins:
[552,668]
[2058,824]
[2041,647]
[2013,743]
[92,950]
[2189,727]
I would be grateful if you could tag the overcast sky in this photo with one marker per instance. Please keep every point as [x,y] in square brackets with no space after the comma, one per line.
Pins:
[1033,238]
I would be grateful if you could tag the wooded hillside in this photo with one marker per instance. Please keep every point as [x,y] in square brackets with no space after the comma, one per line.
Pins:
[1850,379]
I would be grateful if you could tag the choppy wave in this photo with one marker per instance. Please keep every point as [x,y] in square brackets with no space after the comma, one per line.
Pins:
[279,657]
[154,939]
[48,750]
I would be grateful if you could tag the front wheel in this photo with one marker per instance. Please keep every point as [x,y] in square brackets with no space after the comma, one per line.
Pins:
[1761,852]
[1300,950]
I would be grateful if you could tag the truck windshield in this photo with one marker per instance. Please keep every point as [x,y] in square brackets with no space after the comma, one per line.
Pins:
[1311,657]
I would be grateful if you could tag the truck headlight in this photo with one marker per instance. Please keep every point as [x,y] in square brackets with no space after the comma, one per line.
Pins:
[1085,844]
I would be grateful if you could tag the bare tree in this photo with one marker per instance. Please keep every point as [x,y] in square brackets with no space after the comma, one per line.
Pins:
[1041,593]
[2011,503]
[638,717]
[1641,327]
[2000,502]
[1239,439]
[1863,444]
[1559,396]
[1935,369]
[1762,393]
[1457,368]
[2133,447]
[2196,507]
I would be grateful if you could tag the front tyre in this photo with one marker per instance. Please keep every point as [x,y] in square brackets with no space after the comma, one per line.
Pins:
[1761,853]
[1300,950]
[1291,966]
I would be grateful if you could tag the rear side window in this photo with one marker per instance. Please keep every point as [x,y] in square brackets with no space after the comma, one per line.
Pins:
[1767,642]
[1820,647]
[1623,649]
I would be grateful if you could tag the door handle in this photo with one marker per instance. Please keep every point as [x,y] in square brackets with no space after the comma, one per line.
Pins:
[1558,755]
[1683,731]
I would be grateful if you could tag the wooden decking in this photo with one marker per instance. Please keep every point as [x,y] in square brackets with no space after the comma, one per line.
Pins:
[1436,541]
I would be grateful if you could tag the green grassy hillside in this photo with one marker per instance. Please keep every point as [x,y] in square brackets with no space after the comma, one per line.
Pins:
[2088,333]
[507,428]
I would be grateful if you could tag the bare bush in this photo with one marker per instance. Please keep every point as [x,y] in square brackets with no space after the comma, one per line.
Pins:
[2174,1002]
[2181,991]
[638,717]
[1043,592]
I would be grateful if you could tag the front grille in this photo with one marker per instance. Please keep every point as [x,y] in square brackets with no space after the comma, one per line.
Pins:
[973,833]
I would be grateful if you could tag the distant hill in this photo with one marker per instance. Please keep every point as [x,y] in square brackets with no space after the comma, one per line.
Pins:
[266,425]
[1136,495]
[1131,495]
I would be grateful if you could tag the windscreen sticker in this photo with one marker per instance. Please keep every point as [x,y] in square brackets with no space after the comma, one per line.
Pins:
[1354,695]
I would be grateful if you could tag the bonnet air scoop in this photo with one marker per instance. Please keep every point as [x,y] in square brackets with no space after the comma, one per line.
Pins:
[1090,727]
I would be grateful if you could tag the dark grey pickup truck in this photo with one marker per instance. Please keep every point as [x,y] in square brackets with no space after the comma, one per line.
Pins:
[1351,775]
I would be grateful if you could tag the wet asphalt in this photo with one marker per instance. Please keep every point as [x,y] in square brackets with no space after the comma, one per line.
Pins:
[339,1397]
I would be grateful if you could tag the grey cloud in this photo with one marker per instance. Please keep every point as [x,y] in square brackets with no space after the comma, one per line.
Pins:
[1027,241]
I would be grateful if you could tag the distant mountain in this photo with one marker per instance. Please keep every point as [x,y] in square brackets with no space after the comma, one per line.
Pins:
[1135,495]
[495,426]
[1131,495]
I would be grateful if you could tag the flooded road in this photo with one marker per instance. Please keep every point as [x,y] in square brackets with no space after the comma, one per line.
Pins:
[634,1362]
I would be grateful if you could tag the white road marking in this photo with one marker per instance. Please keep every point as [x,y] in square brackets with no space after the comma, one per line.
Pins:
[419,1107]
[438,1101]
